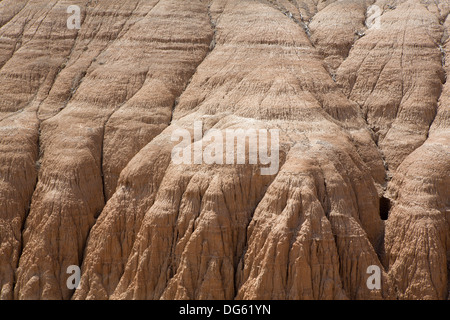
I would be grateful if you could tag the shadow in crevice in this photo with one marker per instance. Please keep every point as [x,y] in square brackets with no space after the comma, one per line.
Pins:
[385,207]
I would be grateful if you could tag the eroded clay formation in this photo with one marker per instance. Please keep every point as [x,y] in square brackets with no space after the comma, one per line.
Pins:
[87,178]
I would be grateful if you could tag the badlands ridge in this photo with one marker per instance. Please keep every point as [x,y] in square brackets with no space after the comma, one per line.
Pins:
[86,177]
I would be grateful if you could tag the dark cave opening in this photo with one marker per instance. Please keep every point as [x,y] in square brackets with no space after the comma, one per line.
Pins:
[385,206]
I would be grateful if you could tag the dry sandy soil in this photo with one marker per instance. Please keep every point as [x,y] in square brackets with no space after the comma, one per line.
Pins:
[86,177]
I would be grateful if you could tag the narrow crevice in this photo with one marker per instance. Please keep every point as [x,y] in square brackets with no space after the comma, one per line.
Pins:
[177,99]
[97,214]
[40,22]
[37,163]
[214,27]
[123,31]
[60,69]
[211,49]
[385,207]
[15,15]
[76,84]
[102,175]
[22,229]
[441,47]
[238,267]
[79,82]
[72,92]
[17,44]
[443,54]
[289,15]
[380,249]
[124,102]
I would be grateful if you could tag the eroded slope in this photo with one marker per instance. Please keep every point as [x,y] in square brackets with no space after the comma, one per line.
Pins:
[86,176]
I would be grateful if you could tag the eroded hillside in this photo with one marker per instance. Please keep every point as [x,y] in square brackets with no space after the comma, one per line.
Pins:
[86,170]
